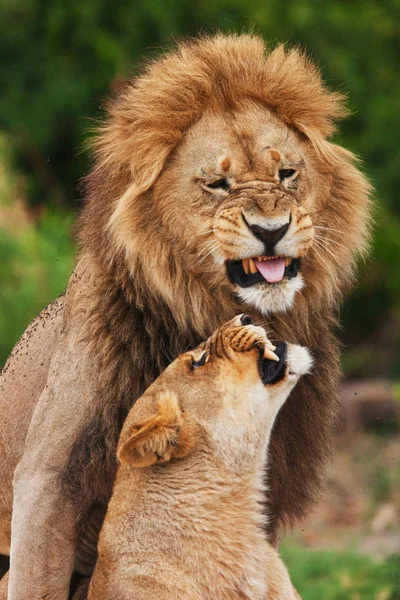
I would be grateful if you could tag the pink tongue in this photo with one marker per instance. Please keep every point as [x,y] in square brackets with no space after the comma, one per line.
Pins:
[272,270]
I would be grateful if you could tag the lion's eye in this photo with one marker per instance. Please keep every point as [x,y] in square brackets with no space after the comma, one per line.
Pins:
[219,184]
[286,173]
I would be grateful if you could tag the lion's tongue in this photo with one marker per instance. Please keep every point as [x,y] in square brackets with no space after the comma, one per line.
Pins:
[272,270]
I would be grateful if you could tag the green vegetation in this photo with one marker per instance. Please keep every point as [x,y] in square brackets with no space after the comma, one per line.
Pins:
[61,59]
[326,575]
[34,269]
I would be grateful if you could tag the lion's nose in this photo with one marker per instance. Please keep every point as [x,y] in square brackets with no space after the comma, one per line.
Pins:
[269,237]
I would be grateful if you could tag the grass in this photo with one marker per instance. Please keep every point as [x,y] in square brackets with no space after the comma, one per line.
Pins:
[325,575]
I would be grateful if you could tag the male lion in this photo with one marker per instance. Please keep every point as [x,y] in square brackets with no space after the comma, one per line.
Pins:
[214,188]
[201,430]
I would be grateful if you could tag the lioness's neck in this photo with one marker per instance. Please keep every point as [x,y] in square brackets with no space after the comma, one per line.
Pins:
[201,520]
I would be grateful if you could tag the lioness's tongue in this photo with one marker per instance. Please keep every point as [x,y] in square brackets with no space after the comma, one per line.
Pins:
[272,270]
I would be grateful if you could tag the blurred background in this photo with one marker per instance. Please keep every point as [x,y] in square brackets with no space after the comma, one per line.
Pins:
[59,62]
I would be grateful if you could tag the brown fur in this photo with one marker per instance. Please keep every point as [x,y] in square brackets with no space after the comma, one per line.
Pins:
[198,433]
[148,284]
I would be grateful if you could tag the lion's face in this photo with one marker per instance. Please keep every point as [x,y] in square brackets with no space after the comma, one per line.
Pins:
[240,198]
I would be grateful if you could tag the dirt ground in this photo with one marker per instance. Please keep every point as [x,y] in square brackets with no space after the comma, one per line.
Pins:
[360,509]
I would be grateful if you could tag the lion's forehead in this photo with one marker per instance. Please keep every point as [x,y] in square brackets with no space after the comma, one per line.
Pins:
[242,137]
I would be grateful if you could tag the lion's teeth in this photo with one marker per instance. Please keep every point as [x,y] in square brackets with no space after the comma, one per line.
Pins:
[252,266]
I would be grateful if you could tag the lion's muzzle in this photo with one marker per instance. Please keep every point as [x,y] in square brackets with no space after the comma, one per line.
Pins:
[269,236]
[263,236]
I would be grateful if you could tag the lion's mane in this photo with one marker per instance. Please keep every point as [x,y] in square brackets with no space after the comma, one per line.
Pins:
[134,330]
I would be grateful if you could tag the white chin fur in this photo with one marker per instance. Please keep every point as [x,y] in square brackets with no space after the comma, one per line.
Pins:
[271,298]
[299,360]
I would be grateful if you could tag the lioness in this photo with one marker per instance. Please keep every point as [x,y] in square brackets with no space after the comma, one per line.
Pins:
[214,188]
[194,528]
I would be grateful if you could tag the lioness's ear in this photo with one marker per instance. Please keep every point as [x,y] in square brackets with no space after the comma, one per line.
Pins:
[167,434]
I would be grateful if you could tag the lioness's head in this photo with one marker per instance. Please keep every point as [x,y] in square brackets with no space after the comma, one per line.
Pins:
[215,179]
[227,393]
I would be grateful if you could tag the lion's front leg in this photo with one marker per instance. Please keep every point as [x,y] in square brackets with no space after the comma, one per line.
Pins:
[43,537]
[45,518]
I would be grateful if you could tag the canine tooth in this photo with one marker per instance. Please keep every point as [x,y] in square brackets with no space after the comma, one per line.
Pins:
[269,354]
[245,262]
[252,266]
[287,261]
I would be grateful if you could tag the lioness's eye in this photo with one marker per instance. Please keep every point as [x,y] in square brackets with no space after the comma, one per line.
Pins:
[286,173]
[202,361]
[218,184]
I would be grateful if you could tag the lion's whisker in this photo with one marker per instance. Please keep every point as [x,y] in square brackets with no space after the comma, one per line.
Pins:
[210,247]
[324,248]
[207,245]
[206,232]
[327,241]
[320,256]
[329,229]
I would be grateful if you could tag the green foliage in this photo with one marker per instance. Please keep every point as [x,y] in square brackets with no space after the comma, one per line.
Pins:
[342,576]
[34,269]
[59,60]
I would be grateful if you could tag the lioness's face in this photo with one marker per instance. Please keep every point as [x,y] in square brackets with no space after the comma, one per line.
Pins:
[224,395]
[234,384]
[243,184]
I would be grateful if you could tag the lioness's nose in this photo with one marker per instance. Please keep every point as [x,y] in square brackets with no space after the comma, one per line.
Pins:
[269,236]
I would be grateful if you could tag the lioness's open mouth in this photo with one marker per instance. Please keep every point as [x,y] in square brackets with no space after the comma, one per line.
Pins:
[272,371]
[270,269]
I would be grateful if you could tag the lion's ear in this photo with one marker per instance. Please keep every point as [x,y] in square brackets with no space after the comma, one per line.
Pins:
[167,434]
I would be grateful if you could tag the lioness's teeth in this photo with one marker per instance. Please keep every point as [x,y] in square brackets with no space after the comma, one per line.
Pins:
[287,261]
[252,266]
[260,258]
[245,262]
[269,354]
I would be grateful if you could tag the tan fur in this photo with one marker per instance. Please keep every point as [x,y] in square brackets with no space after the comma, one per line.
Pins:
[186,518]
[151,283]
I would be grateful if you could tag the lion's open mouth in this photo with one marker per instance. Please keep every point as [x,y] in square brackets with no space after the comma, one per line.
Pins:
[270,269]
